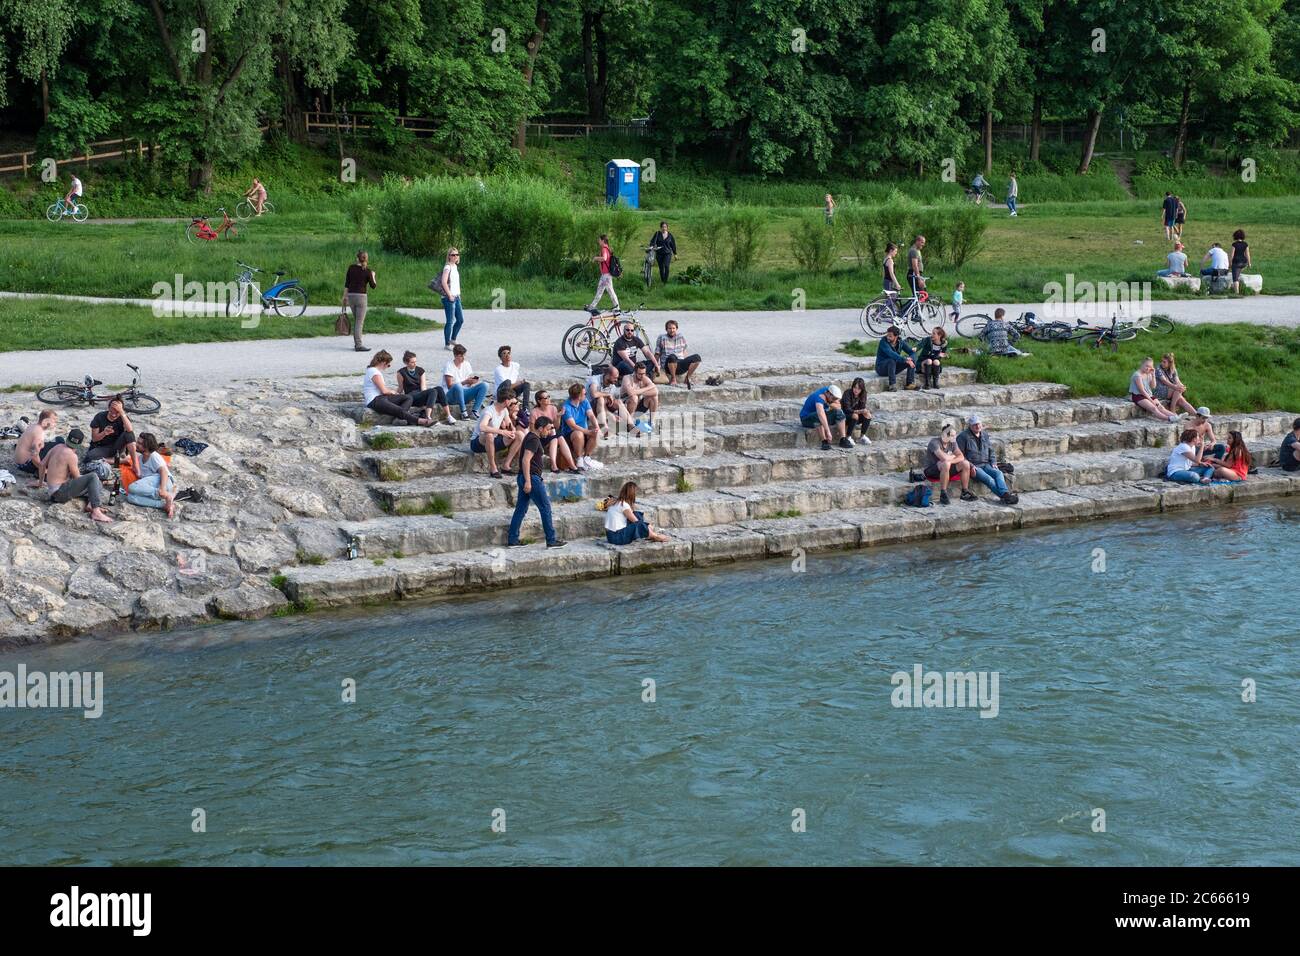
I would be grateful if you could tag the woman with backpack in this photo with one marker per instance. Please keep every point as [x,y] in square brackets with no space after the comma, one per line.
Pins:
[609,271]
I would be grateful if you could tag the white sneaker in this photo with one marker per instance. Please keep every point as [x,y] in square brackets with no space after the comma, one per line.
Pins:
[864,440]
[592,463]
[451,419]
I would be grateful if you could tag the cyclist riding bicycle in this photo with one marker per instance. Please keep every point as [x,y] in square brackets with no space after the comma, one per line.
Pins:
[256,195]
[979,186]
[74,193]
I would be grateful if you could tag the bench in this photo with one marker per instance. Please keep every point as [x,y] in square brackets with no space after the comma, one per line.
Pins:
[1191,283]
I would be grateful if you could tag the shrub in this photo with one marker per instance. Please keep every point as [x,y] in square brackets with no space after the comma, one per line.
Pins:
[744,230]
[853,220]
[812,244]
[425,217]
[514,221]
[710,237]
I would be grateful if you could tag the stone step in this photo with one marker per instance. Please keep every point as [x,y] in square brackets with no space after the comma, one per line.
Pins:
[696,509]
[340,582]
[463,492]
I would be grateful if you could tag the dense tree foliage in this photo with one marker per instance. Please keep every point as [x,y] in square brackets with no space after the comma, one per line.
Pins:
[769,86]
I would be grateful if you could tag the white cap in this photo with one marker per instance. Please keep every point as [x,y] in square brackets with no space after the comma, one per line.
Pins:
[836,391]
[1203,411]
[974,420]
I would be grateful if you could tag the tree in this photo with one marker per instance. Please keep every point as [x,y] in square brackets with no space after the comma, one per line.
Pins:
[43,28]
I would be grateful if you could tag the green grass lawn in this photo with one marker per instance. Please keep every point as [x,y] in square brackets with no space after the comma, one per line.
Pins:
[1096,241]
[55,324]
[1230,368]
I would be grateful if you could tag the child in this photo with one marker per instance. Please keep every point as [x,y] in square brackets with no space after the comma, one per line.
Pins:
[957,296]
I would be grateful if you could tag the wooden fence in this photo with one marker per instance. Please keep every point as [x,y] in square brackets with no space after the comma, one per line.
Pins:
[26,161]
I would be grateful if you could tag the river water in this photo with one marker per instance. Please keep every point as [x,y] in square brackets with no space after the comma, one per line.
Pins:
[1119,692]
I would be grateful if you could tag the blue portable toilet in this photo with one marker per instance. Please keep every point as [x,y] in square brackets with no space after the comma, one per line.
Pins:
[623,181]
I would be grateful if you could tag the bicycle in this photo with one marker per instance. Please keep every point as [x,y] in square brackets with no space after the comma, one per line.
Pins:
[200,229]
[977,195]
[1095,336]
[133,400]
[245,211]
[286,298]
[920,314]
[648,269]
[59,210]
[972,325]
[594,337]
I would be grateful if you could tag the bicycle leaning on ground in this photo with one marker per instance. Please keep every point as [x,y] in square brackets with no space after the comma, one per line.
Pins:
[133,400]
[286,298]
[59,210]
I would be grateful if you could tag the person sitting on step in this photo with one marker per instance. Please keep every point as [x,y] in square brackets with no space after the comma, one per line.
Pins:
[1141,392]
[934,351]
[625,347]
[35,442]
[1289,456]
[977,447]
[508,370]
[944,461]
[381,399]
[414,383]
[1169,387]
[821,410]
[462,385]
[673,355]
[155,487]
[1185,463]
[641,394]
[63,480]
[494,432]
[557,451]
[1233,462]
[857,413]
[893,355]
[579,428]
[623,523]
[111,434]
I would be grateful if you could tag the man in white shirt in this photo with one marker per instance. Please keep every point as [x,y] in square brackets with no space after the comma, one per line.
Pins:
[494,432]
[1217,257]
[508,372]
[461,384]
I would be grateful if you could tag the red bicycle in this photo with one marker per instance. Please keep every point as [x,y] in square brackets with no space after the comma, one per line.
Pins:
[199,228]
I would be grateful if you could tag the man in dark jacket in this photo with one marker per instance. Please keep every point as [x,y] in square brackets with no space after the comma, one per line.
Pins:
[665,248]
[976,445]
[893,355]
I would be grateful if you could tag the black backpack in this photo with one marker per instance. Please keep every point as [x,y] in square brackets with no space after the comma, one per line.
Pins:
[615,267]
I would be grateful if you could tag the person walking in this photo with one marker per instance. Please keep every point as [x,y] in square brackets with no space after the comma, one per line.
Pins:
[447,285]
[532,486]
[606,283]
[829,209]
[1168,214]
[1013,193]
[665,248]
[1180,217]
[360,278]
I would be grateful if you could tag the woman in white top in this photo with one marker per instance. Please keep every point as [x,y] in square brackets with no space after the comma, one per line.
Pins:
[383,400]
[1185,461]
[448,287]
[624,524]
[1141,391]
[155,483]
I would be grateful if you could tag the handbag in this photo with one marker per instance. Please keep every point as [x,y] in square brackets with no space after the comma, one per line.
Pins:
[343,325]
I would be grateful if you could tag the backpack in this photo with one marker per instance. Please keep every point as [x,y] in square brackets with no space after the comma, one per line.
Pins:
[615,267]
[918,496]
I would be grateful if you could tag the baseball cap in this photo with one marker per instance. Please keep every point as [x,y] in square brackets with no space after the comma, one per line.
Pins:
[974,420]
[76,436]
[836,391]
[1203,411]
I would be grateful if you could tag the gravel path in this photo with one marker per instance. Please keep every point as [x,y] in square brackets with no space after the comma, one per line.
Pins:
[533,333]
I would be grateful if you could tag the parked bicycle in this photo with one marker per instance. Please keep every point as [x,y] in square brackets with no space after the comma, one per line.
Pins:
[199,228]
[246,211]
[134,401]
[60,210]
[286,298]
[972,324]
[648,269]
[914,315]
[589,343]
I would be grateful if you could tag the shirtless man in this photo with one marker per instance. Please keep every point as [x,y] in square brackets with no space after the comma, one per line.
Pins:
[32,447]
[60,475]
[642,396]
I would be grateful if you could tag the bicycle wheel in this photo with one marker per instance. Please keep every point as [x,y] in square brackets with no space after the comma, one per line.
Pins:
[590,346]
[244,211]
[929,316]
[879,317]
[971,326]
[268,207]
[1124,333]
[192,232]
[1160,324]
[138,403]
[54,213]
[290,302]
[566,343]
[59,394]
[82,213]
[647,272]
[230,232]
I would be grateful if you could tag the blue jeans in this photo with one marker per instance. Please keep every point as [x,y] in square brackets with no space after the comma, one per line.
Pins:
[891,368]
[1011,203]
[538,497]
[459,395]
[990,478]
[634,530]
[455,318]
[1192,476]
